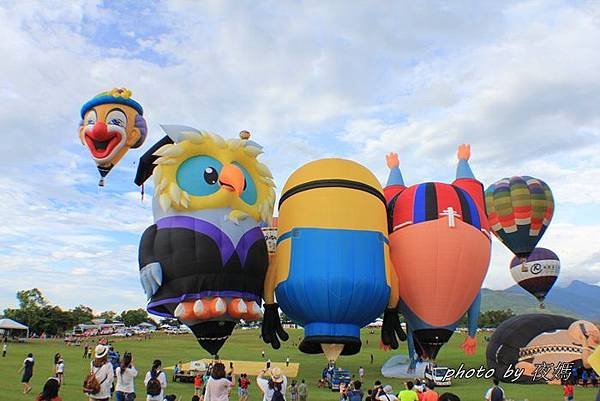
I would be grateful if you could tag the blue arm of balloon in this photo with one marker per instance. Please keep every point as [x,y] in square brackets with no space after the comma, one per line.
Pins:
[411,347]
[463,170]
[473,315]
[395,177]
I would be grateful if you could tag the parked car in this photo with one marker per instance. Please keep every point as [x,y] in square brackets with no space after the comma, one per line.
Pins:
[339,376]
[436,375]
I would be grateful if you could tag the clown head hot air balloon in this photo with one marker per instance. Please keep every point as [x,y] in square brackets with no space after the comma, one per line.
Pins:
[331,272]
[111,123]
[519,210]
[537,273]
[204,259]
[440,248]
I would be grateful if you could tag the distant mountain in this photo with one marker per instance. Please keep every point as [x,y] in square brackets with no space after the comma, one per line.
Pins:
[578,300]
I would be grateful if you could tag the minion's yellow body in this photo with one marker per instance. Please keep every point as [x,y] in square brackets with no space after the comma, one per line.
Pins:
[331,271]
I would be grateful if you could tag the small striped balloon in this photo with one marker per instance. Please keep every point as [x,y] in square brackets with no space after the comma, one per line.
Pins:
[519,210]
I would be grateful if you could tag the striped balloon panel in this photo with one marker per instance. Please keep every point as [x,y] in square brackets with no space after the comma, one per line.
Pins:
[519,210]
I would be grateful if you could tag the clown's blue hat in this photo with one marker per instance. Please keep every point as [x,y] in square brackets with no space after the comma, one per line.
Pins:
[116,95]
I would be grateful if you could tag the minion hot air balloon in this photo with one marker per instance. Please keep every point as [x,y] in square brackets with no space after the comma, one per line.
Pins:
[204,259]
[331,272]
[111,123]
[440,248]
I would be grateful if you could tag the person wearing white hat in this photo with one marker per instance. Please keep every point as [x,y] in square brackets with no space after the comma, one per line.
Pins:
[104,373]
[388,394]
[272,383]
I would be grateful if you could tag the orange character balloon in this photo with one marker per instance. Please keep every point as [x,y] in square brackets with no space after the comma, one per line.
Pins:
[440,247]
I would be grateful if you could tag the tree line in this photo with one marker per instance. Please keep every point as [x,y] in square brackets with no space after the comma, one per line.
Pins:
[40,316]
[491,318]
[36,312]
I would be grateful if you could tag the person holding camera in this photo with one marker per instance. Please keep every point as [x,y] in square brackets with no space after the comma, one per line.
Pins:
[217,387]
[100,379]
[125,375]
[272,383]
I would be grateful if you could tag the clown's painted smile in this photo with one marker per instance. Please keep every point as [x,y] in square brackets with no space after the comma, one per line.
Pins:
[104,139]
[101,141]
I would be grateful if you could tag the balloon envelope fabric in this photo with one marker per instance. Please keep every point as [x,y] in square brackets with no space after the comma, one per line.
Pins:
[332,260]
[538,273]
[519,210]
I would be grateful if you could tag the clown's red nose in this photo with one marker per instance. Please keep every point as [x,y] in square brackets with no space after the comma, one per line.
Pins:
[100,132]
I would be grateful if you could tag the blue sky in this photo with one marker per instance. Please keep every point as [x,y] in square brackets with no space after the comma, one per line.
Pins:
[517,80]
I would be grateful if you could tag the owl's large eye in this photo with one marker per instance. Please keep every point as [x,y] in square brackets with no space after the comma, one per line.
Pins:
[249,194]
[198,175]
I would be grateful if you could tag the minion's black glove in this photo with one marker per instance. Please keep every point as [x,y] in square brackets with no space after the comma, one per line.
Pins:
[271,329]
[392,328]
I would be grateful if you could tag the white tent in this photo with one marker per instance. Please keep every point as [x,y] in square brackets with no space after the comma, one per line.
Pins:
[398,366]
[10,325]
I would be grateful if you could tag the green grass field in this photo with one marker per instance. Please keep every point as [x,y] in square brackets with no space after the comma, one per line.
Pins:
[245,345]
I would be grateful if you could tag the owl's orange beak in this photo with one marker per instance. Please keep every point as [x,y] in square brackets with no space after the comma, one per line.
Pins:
[232,179]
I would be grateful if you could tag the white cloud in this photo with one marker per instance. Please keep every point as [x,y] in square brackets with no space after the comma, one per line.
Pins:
[309,80]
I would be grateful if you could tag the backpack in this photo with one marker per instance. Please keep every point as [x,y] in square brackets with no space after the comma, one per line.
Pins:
[153,387]
[277,395]
[497,394]
[91,385]
[355,395]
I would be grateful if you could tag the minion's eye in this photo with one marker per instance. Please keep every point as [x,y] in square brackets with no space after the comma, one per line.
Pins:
[211,176]
[198,175]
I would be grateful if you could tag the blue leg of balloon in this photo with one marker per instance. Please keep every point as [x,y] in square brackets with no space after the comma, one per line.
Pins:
[473,315]
[463,170]
[469,346]
[411,349]
[395,177]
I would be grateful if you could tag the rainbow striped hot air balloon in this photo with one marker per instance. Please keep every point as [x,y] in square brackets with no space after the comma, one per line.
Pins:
[519,210]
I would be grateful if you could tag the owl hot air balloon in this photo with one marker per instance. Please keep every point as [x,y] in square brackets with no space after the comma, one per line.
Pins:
[204,259]
[519,210]
[440,248]
[538,273]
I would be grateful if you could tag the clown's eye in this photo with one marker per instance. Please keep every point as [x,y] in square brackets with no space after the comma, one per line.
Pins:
[90,117]
[116,117]
[210,175]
